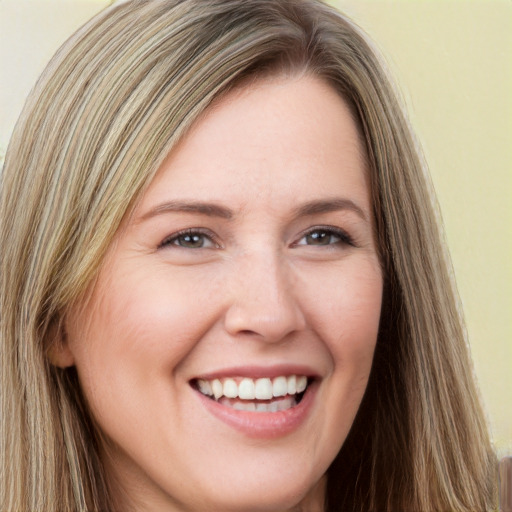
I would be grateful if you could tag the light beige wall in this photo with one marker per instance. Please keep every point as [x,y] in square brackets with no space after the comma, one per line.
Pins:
[453,61]
[30,33]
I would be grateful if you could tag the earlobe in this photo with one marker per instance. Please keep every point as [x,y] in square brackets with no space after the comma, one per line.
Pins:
[58,353]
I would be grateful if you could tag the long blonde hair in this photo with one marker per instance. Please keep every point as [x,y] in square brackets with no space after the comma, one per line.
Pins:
[108,108]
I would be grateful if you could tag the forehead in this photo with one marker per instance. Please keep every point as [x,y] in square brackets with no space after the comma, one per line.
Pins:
[277,140]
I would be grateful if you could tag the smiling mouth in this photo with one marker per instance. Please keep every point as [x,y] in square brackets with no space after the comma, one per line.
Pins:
[255,395]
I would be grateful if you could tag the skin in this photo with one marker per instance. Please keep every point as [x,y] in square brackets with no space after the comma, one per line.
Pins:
[260,291]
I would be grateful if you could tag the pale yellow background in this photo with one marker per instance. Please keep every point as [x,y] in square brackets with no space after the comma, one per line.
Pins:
[453,63]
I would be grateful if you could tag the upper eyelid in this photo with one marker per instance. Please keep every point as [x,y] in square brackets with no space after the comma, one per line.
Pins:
[326,227]
[189,231]
[333,229]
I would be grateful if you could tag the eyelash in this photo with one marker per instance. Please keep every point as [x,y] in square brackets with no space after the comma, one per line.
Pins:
[343,236]
[172,239]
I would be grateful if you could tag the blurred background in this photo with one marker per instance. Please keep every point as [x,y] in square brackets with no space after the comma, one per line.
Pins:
[453,63]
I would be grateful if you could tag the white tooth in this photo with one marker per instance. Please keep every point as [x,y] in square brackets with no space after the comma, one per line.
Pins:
[263,389]
[279,386]
[292,384]
[205,387]
[249,406]
[273,406]
[261,407]
[246,389]
[217,388]
[230,388]
[287,403]
[302,383]
[239,406]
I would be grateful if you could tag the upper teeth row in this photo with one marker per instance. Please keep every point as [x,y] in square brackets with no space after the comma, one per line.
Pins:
[250,389]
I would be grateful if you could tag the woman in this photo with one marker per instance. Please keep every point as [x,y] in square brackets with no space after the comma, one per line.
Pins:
[210,206]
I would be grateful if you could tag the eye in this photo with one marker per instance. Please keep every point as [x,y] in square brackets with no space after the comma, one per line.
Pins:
[190,239]
[325,236]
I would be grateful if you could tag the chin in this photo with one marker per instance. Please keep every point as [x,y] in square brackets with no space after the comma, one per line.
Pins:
[269,498]
[276,490]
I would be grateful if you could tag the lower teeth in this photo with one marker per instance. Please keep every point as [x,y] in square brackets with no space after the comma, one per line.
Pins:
[275,405]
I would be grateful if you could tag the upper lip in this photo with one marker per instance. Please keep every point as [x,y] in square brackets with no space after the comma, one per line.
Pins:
[258,371]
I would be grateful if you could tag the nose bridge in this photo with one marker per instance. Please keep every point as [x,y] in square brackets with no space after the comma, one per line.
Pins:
[264,301]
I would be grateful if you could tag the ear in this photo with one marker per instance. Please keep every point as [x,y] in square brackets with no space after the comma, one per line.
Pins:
[58,352]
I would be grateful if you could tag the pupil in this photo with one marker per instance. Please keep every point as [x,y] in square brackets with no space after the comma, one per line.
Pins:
[318,238]
[192,241]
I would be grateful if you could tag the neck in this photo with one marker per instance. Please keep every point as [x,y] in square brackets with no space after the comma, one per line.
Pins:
[314,501]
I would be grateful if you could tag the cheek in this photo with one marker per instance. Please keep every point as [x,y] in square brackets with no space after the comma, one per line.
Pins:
[133,330]
[136,317]
[347,320]
[346,309]
[357,311]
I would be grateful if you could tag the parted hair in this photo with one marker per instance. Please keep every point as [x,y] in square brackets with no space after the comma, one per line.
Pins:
[111,104]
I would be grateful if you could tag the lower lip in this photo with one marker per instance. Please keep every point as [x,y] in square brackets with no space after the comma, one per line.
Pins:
[263,425]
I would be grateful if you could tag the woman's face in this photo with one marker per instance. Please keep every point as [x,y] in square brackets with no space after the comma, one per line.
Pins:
[247,272]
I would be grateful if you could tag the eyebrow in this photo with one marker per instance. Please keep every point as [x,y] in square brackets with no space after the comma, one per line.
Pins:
[208,209]
[329,205]
[314,207]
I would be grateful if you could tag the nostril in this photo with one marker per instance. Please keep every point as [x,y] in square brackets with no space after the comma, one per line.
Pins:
[247,332]
[268,322]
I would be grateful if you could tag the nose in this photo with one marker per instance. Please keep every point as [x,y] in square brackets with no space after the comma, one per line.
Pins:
[263,300]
